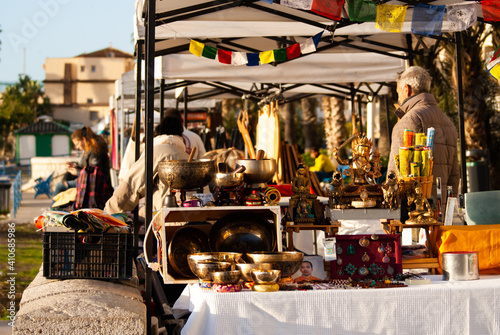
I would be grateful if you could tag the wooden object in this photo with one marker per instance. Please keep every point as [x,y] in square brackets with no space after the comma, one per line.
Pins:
[328,229]
[431,262]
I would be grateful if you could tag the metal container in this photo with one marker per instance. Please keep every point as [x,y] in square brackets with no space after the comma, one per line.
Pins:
[182,174]
[460,265]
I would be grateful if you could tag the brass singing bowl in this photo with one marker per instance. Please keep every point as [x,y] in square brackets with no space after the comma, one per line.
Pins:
[226,277]
[287,261]
[265,276]
[205,269]
[181,174]
[257,171]
[231,257]
[227,179]
[247,268]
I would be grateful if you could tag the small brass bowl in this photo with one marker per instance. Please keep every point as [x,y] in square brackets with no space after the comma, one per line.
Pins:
[204,269]
[287,261]
[226,277]
[246,269]
[265,276]
[231,257]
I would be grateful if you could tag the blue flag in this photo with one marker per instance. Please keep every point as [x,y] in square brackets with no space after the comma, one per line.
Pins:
[427,20]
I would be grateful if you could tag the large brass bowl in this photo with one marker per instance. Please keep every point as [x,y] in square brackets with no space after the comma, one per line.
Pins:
[246,269]
[287,261]
[226,277]
[204,270]
[181,174]
[226,180]
[257,171]
[231,257]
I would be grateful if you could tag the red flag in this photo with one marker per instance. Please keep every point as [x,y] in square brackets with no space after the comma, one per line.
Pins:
[293,51]
[491,10]
[224,56]
[329,8]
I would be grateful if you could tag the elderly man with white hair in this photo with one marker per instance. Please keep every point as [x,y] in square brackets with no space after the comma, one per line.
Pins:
[419,111]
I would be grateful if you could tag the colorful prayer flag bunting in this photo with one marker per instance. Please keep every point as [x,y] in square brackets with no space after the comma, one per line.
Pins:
[331,9]
[427,19]
[255,58]
[390,17]
[362,10]
[461,16]
[493,66]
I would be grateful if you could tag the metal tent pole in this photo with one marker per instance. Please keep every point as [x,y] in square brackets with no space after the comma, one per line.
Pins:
[460,93]
[149,109]
[162,98]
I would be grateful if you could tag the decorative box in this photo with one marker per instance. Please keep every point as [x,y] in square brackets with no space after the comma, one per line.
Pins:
[367,256]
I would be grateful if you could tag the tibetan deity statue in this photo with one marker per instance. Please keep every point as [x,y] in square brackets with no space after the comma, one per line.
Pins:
[364,168]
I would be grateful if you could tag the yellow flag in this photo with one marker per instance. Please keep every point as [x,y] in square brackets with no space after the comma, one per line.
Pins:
[390,17]
[266,56]
[196,48]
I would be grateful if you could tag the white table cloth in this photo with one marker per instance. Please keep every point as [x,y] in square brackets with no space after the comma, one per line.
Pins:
[466,307]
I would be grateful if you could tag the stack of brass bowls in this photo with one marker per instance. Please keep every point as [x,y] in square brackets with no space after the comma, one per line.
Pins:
[288,262]
[265,280]
[204,269]
[203,264]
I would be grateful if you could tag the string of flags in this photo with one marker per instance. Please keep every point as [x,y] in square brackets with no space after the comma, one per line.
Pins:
[427,20]
[292,51]
[493,66]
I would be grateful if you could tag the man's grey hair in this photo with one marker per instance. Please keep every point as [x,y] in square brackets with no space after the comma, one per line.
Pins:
[417,78]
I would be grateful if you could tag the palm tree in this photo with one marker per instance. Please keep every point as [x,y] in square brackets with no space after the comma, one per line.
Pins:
[309,122]
[335,131]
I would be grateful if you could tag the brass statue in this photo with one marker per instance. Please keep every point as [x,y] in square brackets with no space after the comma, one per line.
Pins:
[423,212]
[302,202]
[390,188]
[337,191]
[363,172]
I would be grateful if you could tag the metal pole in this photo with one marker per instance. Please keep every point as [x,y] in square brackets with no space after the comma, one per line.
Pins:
[185,106]
[137,130]
[353,107]
[460,94]
[150,96]
[388,120]
[409,46]
[162,98]
[360,114]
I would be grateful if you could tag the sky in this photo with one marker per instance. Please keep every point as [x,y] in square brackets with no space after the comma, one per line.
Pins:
[60,28]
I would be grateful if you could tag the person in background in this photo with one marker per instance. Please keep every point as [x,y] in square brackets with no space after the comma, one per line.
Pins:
[167,145]
[323,166]
[95,153]
[419,111]
[306,268]
[190,138]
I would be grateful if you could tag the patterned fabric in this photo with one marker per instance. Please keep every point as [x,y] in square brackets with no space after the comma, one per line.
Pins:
[93,188]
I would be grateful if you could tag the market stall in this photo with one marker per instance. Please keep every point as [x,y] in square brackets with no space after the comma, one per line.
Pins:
[172,30]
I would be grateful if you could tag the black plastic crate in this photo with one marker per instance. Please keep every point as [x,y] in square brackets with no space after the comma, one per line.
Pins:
[87,256]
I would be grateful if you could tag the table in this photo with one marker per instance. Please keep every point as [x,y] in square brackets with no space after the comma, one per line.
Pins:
[467,307]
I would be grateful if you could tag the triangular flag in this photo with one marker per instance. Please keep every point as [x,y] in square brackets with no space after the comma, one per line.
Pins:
[307,46]
[266,56]
[493,66]
[239,58]
[224,56]
[209,52]
[317,38]
[331,9]
[491,10]
[280,54]
[390,18]
[427,19]
[253,58]
[299,4]
[293,51]
[196,48]
[461,16]
[362,10]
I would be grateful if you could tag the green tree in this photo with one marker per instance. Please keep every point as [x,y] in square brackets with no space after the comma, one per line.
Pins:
[21,104]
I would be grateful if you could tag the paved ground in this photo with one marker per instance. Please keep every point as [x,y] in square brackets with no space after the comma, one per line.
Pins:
[30,208]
